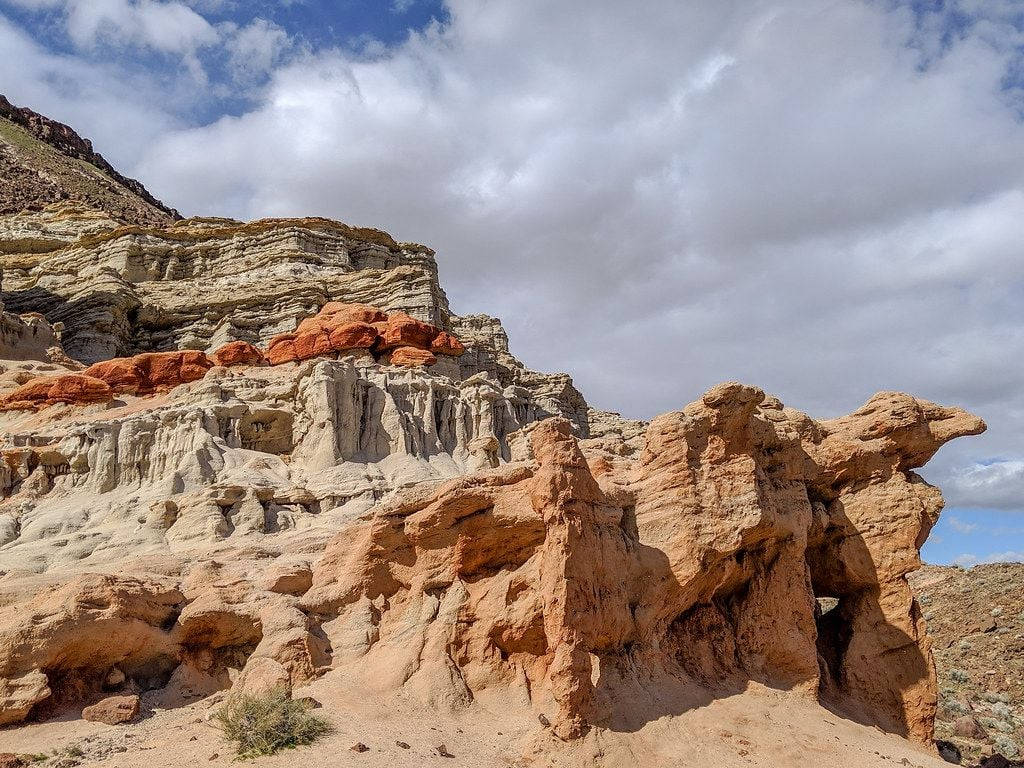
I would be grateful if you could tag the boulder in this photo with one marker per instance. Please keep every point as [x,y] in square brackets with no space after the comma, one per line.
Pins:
[113,710]
[281,349]
[341,313]
[967,727]
[238,353]
[402,330]
[71,388]
[151,371]
[411,357]
[353,335]
[446,344]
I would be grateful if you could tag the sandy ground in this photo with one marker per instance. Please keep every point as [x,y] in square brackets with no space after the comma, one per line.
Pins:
[760,727]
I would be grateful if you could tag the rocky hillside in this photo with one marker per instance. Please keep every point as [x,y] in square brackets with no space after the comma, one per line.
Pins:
[244,457]
[976,621]
[43,161]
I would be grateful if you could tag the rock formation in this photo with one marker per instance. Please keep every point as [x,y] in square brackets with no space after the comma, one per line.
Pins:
[43,161]
[254,453]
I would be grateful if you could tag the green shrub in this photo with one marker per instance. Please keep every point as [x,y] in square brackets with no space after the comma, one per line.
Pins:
[263,725]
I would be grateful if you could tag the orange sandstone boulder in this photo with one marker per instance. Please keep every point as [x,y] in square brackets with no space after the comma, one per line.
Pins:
[281,349]
[120,373]
[339,327]
[446,344]
[238,353]
[151,371]
[73,388]
[354,335]
[411,357]
[317,336]
[401,330]
[340,313]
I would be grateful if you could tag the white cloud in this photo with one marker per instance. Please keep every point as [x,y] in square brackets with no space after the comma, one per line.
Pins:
[969,560]
[254,49]
[168,27]
[961,526]
[997,484]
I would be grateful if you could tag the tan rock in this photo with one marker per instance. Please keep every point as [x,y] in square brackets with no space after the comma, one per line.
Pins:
[411,357]
[703,571]
[114,710]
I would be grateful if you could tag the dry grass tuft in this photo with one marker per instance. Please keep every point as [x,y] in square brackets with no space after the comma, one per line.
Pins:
[263,725]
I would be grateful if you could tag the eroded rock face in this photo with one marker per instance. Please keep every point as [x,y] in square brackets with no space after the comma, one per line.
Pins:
[672,577]
[202,283]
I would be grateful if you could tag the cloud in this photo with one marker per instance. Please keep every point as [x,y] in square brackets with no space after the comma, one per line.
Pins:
[254,49]
[969,561]
[961,526]
[824,201]
[995,484]
[169,27]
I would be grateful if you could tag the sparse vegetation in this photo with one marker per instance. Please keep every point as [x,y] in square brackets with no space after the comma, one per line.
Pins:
[263,725]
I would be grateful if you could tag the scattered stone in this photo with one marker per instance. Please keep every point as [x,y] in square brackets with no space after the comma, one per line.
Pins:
[544,720]
[359,747]
[949,752]
[442,750]
[967,727]
[402,745]
[113,710]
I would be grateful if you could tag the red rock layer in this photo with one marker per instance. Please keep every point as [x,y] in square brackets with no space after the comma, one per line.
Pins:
[340,327]
[410,357]
[72,388]
[151,371]
[238,353]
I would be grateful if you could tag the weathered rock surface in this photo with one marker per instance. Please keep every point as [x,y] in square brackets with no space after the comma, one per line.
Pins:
[72,388]
[238,353]
[151,371]
[694,567]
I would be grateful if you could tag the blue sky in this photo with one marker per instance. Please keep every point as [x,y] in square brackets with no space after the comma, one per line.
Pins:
[823,199]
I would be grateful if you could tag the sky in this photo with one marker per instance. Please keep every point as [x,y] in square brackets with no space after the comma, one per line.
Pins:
[823,199]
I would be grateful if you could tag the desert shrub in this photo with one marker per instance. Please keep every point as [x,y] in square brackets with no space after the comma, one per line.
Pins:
[263,725]
[1001,710]
[958,676]
[1007,747]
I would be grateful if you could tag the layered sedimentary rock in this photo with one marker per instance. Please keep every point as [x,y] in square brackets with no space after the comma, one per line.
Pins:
[201,283]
